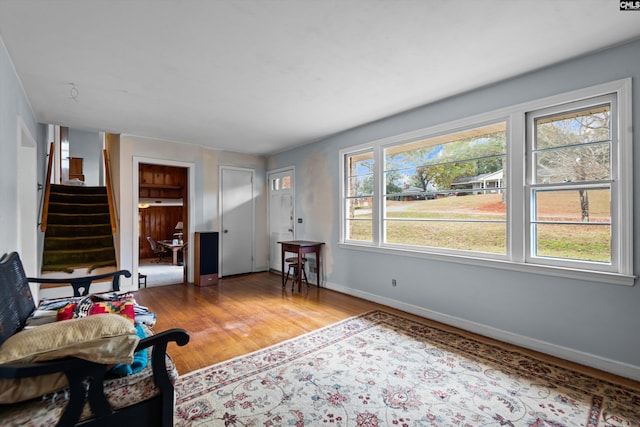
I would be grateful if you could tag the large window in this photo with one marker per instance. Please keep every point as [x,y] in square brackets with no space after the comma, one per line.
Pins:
[545,186]
[448,191]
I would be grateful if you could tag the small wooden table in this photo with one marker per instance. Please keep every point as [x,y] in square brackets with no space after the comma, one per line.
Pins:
[301,247]
[175,248]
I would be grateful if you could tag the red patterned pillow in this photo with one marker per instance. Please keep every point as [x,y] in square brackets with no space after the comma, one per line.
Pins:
[123,307]
[66,312]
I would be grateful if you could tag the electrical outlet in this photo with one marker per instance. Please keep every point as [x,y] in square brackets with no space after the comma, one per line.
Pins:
[393,282]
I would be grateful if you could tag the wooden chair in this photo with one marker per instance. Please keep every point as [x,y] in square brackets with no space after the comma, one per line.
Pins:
[294,269]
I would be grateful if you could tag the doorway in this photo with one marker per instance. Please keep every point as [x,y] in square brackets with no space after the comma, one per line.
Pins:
[237,213]
[281,213]
[162,221]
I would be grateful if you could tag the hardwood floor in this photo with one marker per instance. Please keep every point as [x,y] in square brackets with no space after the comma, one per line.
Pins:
[242,314]
[249,312]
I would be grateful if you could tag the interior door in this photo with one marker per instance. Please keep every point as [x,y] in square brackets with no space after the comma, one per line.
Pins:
[237,219]
[281,213]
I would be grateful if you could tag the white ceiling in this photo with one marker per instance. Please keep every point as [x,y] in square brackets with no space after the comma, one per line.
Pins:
[259,76]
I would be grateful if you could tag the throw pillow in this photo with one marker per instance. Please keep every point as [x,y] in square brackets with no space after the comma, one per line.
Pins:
[107,338]
[93,304]
[123,307]
[66,312]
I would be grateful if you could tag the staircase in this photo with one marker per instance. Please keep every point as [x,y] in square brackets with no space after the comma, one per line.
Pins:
[78,229]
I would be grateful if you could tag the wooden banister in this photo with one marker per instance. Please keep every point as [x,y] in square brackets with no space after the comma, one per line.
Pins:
[107,175]
[47,191]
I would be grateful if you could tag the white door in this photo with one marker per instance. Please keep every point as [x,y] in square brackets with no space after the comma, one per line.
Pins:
[281,213]
[237,219]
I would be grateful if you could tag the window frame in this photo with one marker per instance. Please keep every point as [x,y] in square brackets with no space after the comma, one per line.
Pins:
[531,186]
[620,272]
[344,197]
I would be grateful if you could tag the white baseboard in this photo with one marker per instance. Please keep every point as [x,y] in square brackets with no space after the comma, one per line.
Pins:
[587,359]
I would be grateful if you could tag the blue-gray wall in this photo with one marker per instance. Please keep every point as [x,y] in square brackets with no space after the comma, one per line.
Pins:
[592,323]
[13,105]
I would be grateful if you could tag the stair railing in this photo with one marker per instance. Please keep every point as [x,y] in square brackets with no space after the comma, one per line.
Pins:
[107,175]
[47,191]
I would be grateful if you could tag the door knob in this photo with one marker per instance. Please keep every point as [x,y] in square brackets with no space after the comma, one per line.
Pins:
[290,230]
[225,231]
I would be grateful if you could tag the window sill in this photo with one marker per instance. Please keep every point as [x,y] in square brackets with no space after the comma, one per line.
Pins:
[567,273]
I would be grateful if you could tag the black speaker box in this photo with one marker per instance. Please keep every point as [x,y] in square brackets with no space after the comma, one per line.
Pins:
[206,258]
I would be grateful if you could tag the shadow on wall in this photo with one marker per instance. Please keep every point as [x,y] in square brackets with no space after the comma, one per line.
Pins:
[318,206]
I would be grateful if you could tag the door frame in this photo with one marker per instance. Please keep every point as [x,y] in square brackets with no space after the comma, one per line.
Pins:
[221,169]
[28,201]
[295,228]
[190,200]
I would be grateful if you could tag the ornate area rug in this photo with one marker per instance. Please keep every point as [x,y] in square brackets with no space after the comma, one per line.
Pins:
[380,369]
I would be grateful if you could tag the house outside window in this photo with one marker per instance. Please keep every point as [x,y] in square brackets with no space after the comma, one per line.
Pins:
[543,187]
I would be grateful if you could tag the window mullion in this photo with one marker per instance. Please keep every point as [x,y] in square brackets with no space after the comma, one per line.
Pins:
[517,217]
[378,208]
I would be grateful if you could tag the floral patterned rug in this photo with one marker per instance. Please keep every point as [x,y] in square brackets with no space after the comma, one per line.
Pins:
[380,369]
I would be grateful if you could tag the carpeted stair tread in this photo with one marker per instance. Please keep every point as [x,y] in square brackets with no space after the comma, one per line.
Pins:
[80,257]
[78,230]
[75,242]
[78,199]
[77,189]
[55,207]
[70,269]
[82,219]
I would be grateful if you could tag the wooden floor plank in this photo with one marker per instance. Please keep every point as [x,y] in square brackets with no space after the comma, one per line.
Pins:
[248,312]
[242,314]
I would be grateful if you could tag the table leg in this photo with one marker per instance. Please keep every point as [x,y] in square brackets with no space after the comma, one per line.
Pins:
[282,264]
[300,267]
[175,256]
[318,267]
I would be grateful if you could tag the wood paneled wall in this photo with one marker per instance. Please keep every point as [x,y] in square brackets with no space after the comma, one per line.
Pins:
[161,182]
[158,222]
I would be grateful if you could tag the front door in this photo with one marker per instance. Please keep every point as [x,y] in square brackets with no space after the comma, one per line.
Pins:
[281,213]
[237,220]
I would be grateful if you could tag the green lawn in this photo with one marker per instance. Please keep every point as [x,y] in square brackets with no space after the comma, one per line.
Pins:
[422,223]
